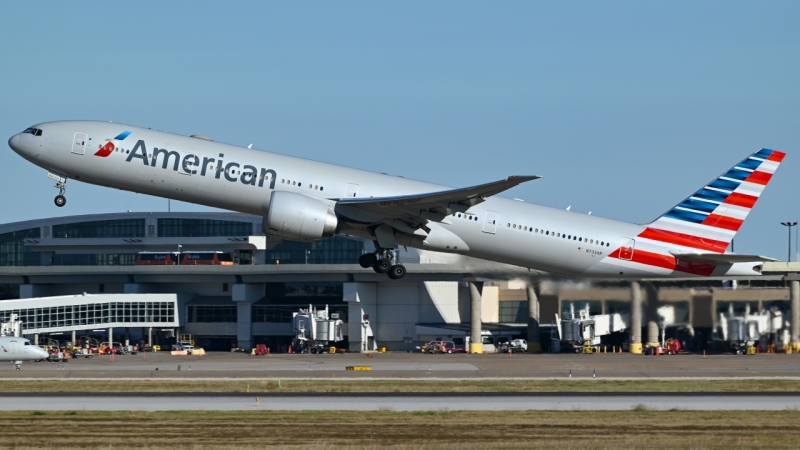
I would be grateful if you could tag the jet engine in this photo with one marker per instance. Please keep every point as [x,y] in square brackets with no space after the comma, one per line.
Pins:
[298,217]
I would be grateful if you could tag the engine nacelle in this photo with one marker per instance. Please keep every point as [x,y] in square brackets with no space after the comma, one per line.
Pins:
[298,217]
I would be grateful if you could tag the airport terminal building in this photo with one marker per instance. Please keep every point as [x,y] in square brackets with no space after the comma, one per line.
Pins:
[252,301]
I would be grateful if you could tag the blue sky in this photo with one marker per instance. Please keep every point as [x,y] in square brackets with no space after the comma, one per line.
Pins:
[625,108]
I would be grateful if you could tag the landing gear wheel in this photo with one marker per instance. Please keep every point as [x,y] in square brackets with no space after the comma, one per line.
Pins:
[60,200]
[397,271]
[367,260]
[382,266]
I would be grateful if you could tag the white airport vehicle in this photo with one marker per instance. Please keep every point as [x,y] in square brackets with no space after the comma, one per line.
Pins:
[582,331]
[305,200]
[315,330]
[514,346]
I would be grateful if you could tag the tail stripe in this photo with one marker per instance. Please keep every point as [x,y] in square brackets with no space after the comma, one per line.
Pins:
[698,205]
[744,200]
[725,185]
[711,216]
[749,163]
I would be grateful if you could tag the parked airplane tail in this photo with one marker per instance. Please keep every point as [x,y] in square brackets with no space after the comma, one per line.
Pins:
[709,219]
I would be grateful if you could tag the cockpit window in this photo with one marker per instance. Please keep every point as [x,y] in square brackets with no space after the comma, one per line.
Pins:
[27,343]
[33,131]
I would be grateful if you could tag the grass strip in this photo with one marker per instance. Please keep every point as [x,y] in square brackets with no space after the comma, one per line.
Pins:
[384,386]
[638,428]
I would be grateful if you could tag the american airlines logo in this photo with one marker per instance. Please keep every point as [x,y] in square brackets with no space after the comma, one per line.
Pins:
[191,164]
[109,147]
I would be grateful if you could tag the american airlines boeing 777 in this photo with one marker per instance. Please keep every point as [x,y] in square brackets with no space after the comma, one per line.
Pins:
[306,200]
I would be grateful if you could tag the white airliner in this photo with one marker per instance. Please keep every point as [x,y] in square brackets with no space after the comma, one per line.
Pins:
[17,349]
[306,200]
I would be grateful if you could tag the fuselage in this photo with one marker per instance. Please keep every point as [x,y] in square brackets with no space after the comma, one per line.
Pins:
[15,349]
[241,179]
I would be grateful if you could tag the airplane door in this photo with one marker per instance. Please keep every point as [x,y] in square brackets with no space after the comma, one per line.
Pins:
[626,251]
[490,222]
[13,346]
[352,190]
[79,143]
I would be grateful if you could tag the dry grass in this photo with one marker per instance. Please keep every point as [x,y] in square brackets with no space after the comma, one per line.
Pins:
[640,428]
[382,386]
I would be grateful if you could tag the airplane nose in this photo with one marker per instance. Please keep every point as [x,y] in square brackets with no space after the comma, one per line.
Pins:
[13,143]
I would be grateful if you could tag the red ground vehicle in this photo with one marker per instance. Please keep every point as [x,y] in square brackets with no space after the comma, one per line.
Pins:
[671,347]
[261,349]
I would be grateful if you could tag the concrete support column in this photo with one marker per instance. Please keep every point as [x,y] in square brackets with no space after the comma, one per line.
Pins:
[150,336]
[110,337]
[74,339]
[361,299]
[244,295]
[36,338]
[476,325]
[794,290]
[534,343]
[244,325]
[32,290]
[636,318]
[127,337]
[652,314]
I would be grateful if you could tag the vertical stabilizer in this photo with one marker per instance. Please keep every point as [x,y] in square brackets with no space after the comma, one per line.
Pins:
[709,219]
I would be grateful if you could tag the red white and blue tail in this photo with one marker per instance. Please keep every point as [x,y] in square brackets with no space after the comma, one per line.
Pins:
[710,218]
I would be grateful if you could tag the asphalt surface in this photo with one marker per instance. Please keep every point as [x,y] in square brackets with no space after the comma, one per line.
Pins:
[415,366]
[412,402]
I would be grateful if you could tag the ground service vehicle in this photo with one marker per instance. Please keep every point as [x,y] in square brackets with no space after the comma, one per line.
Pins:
[514,346]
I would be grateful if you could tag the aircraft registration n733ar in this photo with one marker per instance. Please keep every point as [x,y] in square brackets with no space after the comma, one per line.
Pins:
[307,200]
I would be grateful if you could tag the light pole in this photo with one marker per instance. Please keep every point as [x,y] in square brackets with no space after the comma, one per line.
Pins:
[789,225]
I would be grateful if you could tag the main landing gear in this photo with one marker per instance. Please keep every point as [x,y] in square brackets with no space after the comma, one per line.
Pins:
[381,262]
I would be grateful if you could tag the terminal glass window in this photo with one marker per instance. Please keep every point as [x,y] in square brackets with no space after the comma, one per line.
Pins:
[93,314]
[284,313]
[514,312]
[111,259]
[273,313]
[212,313]
[595,307]
[331,250]
[202,228]
[101,229]
[14,252]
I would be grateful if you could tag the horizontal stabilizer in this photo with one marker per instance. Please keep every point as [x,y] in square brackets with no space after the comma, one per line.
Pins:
[720,258]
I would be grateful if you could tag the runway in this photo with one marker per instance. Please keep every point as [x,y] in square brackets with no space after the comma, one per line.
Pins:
[413,402]
[415,366]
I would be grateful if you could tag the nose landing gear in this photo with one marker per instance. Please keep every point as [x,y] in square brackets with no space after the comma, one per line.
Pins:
[381,262]
[61,185]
